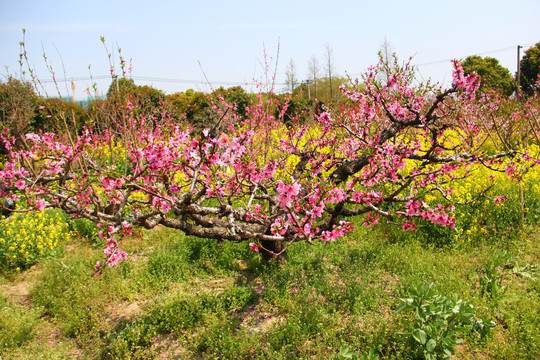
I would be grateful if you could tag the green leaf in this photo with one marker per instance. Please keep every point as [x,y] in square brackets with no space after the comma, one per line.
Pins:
[421,315]
[449,351]
[403,307]
[345,353]
[420,336]
[429,330]
[431,345]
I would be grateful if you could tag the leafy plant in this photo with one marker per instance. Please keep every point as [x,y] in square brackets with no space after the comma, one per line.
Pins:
[439,320]
[491,283]
[491,280]
[345,354]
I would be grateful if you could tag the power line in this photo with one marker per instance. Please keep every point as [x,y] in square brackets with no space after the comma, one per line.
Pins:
[248,83]
[481,53]
[156,79]
[462,57]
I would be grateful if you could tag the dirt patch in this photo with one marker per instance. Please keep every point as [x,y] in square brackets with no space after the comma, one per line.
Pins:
[142,256]
[464,352]
[197,286]
[18,291]
[130,311]
[168,347]
[255,322]
[269,323]
[123,312]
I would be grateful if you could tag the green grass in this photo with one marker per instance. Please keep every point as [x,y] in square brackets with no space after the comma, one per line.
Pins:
[184,297]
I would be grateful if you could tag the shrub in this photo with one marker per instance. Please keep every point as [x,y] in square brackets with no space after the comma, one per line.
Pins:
[55,115]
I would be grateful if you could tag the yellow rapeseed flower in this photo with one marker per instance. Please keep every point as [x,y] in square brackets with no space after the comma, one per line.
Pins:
[29,237]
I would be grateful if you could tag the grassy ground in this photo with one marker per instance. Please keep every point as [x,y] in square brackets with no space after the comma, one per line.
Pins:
[184,297]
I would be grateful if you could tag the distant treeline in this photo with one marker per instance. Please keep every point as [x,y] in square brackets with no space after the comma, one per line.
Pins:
[23,111]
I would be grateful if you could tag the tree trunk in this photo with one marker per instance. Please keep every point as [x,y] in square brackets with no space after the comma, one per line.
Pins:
[276,247]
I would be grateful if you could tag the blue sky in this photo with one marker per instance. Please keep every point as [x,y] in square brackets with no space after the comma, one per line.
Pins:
[185,41]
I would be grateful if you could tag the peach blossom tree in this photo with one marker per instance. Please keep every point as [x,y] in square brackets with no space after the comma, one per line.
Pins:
[377,156]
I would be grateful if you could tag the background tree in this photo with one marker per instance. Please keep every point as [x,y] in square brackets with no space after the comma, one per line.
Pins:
[493,75]
[148,98]
[325,88]
[291,80]
[237,98]
[313,74]
[329,67]
[123,91]
[120,85]
[530,69]
[17,107]
[386,55]
[295,110]
[55,115]
[200,110]
[387,51]
[181,101]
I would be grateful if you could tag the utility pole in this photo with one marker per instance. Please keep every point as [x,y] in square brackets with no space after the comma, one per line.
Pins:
[308,83]
[518,97]
[518,80]
[330,66]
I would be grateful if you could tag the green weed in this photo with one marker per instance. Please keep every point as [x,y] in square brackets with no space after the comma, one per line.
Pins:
[440,320]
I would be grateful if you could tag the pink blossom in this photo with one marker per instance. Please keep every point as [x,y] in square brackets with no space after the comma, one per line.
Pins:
[20,184]
[500,199]
[287,193]
[325,118]
[116,257]
[407,225]
[337,195]
[279,227]
[223,139]
[254,247]
[33,137]
[40,204]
